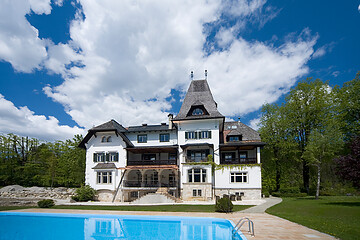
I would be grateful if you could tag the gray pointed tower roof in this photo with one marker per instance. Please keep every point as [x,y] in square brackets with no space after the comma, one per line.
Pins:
[198,95]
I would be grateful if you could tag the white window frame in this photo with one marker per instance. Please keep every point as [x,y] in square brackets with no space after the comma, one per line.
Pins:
[203,173]
[100,177]
[243,176]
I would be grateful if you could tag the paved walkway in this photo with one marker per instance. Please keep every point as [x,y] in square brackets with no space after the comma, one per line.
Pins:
[266,226]
[271,201]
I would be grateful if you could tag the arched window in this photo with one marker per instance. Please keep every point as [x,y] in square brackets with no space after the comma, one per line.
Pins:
[109,139]
[197,111]
[103,139]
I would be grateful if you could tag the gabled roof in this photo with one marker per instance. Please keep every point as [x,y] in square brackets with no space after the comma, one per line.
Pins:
[198,94]
[238,128]
[110,126]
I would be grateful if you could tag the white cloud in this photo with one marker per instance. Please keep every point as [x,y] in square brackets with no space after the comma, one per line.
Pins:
[19,41]
[133,52]
[24,122]
[255,123]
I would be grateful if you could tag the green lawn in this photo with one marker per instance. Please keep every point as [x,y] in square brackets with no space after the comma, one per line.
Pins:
[157,208]
[338,216]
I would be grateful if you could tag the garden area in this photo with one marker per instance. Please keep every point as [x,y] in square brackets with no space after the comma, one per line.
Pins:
[338,216]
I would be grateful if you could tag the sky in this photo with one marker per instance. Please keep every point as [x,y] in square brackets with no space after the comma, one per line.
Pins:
[69,65]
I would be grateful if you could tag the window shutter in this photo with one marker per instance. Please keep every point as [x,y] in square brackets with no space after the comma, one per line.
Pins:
[117,157]
[95,157]
[186,135]
[207,152]
[196,135]
[209,134]
[107,156]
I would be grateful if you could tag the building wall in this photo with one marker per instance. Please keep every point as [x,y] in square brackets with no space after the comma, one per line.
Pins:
[222,177]
[199,125]
[95,145]
[152,138]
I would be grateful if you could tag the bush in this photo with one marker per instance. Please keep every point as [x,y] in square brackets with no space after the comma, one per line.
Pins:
[84,194]
[46,203]
[266,194]
[224,205]
[290,190]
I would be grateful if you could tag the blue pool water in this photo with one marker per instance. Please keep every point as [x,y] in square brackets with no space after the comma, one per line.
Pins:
[98,227]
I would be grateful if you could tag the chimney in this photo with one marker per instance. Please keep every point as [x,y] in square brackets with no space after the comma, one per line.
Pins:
[170,116]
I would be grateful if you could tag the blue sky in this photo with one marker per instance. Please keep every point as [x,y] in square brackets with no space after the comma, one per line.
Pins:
[68,65]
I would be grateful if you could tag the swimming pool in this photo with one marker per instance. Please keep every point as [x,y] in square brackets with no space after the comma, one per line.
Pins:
[14,225]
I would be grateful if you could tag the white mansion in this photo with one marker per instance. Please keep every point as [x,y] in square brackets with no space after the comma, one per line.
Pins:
[196,156]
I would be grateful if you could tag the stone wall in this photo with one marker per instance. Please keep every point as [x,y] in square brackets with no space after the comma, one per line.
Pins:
[16,191]
[188,188]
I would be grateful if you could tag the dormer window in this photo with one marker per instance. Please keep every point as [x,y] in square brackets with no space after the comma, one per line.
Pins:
[103,139]
[197,111]
[106,139]
[109,139]
[234,138]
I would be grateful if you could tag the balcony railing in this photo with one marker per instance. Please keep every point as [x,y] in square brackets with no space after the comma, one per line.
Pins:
[238,161]
[151,162]
[190,160]
[132,183]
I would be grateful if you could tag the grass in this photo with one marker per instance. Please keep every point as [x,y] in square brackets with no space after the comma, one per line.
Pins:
[338,216]
[156,208]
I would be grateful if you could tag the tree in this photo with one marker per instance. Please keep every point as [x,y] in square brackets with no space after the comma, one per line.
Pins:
[306,108]
[349,107]
[280,146]
[324,143]
[348,167]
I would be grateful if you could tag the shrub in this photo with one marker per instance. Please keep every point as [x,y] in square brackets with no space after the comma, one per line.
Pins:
[84,194]
[46,203]
[290,190]
[224,205]
[266,194]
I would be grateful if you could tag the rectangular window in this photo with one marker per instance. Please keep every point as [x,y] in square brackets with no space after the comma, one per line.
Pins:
[149,156]
[228,156]
[238,177]
[99,157]
[104,177]
[134,194]
[164,137]
[205,134]
[197,192]
[113,157]
[142,138]
[191,135]
[197,175]
[197,155]
[234,138]
[243,156]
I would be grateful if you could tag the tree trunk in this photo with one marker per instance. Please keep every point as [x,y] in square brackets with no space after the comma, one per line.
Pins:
[318,182]
[306,176]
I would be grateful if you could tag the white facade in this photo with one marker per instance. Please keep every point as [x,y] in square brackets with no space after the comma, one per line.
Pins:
[197,156]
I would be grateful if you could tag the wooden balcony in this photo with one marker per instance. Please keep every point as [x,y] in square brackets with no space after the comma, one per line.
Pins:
[151,162]
[238,161]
